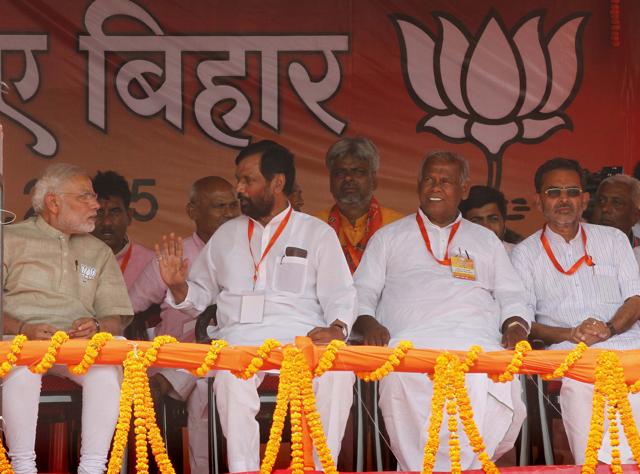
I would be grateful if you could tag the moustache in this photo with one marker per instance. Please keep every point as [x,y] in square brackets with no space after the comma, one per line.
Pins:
[561,207]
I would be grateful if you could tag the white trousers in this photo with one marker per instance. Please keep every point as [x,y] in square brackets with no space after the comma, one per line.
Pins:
[100,409]
[238,404]
[576,403]
[405,402]
[192,390]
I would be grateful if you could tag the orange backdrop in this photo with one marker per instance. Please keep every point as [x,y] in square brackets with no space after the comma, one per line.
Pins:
[212,56]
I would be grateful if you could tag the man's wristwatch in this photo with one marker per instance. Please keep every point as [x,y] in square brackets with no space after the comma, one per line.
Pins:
[97,323]
[612,329]
[343,327]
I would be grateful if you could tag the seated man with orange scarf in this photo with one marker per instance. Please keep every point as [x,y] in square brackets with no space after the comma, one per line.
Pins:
[356,216]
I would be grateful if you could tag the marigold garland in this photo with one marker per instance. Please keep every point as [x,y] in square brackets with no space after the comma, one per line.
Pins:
[210,359]
[513,368]
[135,396]
[328,357]
[257,362]
[93,349]
[449,387]
[610,391]
[296,389]
[12,357]
[5,465]
[574,356]
[49,358]
[389,365]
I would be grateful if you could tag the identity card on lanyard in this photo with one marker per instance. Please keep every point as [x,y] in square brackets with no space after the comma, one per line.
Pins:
[461,267]
[252,306]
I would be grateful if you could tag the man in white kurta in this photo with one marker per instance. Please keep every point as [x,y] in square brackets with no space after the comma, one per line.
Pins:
[212,202]
[594,300]
[413,293]
[278,274]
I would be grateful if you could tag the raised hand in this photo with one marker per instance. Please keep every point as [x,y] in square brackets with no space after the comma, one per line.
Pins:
[173,267]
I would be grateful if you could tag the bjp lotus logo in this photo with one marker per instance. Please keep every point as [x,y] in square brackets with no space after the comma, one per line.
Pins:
[497,87]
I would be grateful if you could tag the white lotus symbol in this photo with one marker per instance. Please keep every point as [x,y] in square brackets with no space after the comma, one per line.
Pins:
[496,88]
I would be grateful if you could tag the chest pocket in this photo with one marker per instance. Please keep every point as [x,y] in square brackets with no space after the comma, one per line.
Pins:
[607,288]
[291,275]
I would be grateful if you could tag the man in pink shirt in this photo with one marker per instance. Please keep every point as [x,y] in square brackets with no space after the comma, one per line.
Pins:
[114,216]
[212,202]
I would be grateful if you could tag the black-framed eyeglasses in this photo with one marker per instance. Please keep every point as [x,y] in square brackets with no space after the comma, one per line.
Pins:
[571,192]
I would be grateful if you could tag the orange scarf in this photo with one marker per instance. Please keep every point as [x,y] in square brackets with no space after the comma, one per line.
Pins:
[353,253]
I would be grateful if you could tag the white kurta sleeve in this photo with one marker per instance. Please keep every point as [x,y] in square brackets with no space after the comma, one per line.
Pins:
[628,274]
[202,282]
[522,263]
[334,284]
[371,275]
[508,288]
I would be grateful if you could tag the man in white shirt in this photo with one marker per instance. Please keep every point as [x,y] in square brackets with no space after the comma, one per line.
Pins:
[618,205]
[274,273]
[442,282]
[582,283]
[212,202]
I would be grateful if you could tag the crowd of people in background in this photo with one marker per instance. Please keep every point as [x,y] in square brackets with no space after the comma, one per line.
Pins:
[448,276]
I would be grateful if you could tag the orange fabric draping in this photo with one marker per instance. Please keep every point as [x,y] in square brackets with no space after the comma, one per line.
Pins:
[352,358]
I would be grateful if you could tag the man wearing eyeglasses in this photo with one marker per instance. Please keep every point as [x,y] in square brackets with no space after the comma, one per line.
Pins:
[583,284]
[59,277]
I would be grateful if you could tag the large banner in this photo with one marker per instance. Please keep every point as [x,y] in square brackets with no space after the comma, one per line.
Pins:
[167,92]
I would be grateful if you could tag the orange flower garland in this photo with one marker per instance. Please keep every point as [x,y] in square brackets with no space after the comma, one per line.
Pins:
[437,405]
[389,366]
[573,356]
[513,368]
[326,361]
[47,361]
[296,389]
[135,391]
[449,387]
[210,359]
[257,362]
[92,351]
[12,357]
[5,465]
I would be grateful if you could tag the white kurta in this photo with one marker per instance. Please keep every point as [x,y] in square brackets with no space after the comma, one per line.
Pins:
[560,300]
[306,284]
[419,300]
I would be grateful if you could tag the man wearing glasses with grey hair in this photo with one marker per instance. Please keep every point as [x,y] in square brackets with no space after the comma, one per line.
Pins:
[59,277]
[582,283]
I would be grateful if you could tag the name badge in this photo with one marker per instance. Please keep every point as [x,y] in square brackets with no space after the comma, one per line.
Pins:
[252,308]
[463,268]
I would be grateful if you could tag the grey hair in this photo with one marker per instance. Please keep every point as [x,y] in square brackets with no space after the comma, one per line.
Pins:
[450,157]
[54,177]
[633,183]
[358,147]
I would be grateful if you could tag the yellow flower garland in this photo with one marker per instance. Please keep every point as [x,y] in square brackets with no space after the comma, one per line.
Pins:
[135,391]
[390,364]
[574,356]
[93,349]
[296,389]
[12,357]
[151,355]
[5,465]
[513,368]
[328,357]
[47,361]
[449,387]
[257,362]
[210,359]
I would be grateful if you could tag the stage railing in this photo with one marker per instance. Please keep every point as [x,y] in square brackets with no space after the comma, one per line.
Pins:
[615,374]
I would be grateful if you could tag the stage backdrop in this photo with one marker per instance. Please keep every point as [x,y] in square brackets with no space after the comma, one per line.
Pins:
[167,92]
